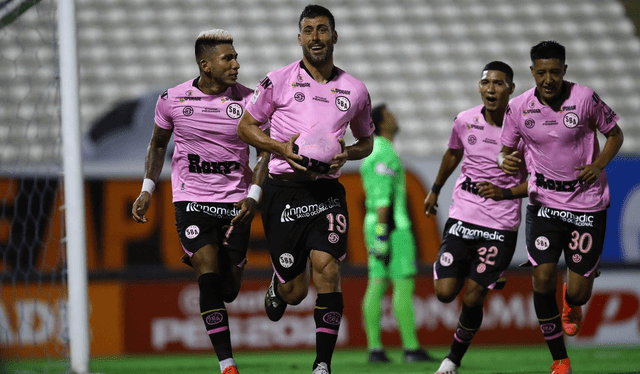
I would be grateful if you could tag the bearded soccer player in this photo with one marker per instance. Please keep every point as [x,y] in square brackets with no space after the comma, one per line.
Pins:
[568,191]
[309,104]
[389,240]
[210,177]
[481,232]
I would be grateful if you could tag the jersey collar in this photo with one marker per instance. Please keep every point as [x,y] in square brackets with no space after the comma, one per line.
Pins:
[334,72]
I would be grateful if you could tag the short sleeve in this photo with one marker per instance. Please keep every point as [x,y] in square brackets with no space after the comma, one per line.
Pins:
[163,112]
[510,134]
[454,139]
[261,105]
[601,115]
[362,124]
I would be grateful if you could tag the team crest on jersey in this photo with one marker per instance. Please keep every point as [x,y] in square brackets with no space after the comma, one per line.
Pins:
[234,110]
[187,111]
[299,96]
[570,120]
[472,139]
[532,104]
[189,93]
[333,238]
[446,259]
[476,120]
[542,243]
[343,103]
[300,78]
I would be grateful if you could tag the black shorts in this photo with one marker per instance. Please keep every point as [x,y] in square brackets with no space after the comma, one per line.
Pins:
[473,251]
[579,235]
[301,216]
[200,224]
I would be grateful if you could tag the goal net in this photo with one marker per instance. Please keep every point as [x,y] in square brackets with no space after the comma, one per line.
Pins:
[33,292]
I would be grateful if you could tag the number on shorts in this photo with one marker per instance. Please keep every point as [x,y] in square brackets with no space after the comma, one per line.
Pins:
[581,242]
[340,223]
[490,254]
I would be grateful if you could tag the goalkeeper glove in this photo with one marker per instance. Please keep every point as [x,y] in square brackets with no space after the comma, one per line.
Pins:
[380,249]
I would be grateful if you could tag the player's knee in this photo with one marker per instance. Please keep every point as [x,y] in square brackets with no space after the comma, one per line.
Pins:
[296,297]
[580,298]
[445,296]
[230,295]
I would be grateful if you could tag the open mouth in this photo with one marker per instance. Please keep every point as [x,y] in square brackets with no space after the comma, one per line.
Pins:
[492,100]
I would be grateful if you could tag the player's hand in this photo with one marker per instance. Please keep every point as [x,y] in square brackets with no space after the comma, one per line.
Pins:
[140,207]
[588,173]
[511,163]
[290,156]
[489,191]
[380,248]
[248,208]
[431,204]
[340,159]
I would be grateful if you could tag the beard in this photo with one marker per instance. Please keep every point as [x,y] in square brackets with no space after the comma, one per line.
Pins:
[316,60]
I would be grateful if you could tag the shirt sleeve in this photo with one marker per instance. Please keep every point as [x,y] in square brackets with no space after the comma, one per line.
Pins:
[261,106]
[163,112]
[510,134]
[362,125]
[601,115]
[454,139]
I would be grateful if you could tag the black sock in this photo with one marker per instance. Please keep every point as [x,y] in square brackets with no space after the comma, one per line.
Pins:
[327,314]
[214,315]
[550,323]
[468,324]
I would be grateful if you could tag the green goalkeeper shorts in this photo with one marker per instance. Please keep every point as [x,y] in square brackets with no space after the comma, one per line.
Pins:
[402,254]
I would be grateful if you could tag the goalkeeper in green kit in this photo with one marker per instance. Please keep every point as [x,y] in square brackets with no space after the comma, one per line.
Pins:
[389,241]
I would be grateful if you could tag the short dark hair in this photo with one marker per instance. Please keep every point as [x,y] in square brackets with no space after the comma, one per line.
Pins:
[499,66]
[377,113]
[211,39]
[548,49]
[315,11]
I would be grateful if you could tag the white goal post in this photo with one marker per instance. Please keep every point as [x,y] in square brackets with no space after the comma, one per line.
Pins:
[78,306]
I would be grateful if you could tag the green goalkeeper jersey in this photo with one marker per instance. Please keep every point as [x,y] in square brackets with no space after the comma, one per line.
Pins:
[383,179]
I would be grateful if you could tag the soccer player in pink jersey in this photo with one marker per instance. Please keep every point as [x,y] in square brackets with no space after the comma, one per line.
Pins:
[568,190]
[481,232]
[210,178]
[309,105]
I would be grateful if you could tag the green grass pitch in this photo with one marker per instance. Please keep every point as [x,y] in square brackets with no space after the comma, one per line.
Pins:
[479,360]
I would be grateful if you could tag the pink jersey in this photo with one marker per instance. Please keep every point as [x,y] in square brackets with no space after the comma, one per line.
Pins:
[557,143]
[210,163]
[480,142]
[295,103]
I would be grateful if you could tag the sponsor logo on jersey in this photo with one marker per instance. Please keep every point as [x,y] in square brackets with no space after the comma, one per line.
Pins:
[490,141]
[183,99]
[469,186]
[460,230]
[568,107]
[555,185]
[187,111]
[570,120]
[343,103]
[472,126]
[290,214]
[550,123]
[595,98]
[296,84]
[211,210]
[582,220]
[382,169]
[531,111]
[609,113]
[265,82]
[321,99]
[164,95]
[225,99]
[507,111]
[339,91]
[234,110]
[211,167]
[210,110]
[299,96]
[256,95]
